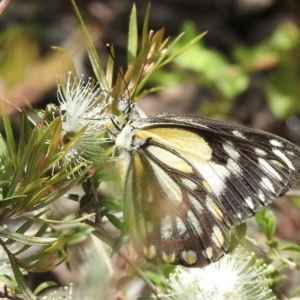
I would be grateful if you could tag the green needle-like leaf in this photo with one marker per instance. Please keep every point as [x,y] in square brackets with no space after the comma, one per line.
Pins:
[132,36]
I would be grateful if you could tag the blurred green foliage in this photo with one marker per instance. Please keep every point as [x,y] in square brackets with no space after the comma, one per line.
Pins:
[276,58]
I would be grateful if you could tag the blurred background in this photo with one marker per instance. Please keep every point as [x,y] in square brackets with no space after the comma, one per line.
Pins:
[245,70]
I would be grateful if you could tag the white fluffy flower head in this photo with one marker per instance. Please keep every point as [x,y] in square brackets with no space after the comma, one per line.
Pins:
[235,276]
[80,107]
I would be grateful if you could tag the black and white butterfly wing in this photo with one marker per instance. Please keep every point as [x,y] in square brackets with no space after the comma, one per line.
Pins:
[187,180]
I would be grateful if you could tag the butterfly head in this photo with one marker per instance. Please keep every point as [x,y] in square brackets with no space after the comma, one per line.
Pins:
[131,111]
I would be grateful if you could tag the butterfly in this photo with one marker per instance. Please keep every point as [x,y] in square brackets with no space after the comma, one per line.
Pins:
[187,180]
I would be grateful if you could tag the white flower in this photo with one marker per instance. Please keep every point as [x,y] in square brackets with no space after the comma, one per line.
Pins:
[80,107]
[235,276]
[64,293]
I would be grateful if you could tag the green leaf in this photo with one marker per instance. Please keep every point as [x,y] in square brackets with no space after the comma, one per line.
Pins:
[132,36]
[20,279]
[61,191]
[237,234]
[67,61]
[74,197]
[87,186]
[271,225]
[11,147]
[291,247]
[285,37]
[85,201]
[118,242]
[77,238]
[115,221]
[145,34]
[100,176]
[4,153]
[111,205]
[155,278]
[39,233]
[63,222]
[107,240]
[28,240]
[267,222]
[47,258]
[43,286]
[23,228]
[5,203]
[5,278]
[92,52]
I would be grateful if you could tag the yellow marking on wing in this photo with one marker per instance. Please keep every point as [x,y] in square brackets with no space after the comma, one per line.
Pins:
[129,205]
[208,253]
[138,176]
[168,258]
[190,257]
[185,142]
[172,160]
[214,208]
[150,252]
[207,186]
[122,166]
[218,237]
[132,199]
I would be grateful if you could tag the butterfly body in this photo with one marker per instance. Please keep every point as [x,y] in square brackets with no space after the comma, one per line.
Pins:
[187,180]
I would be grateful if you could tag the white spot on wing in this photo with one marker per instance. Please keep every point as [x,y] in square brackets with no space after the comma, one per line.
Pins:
[234,168]
[267,184]
[149,196]
[231,151]
[189,183]
[259,151]
[169,186]
[189,121]
[196,203]
[208,253]
[249,202]
[281,155]
[190,256]
[214,174]
[261,195]
[181,228]
[290,153]
[153,249]
[276,143]
[149,227]
[217,236]
[166,229]
[239,134]
[194,223]
[269,169]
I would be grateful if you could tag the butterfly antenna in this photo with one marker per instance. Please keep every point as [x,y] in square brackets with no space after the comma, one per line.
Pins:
[129,99]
